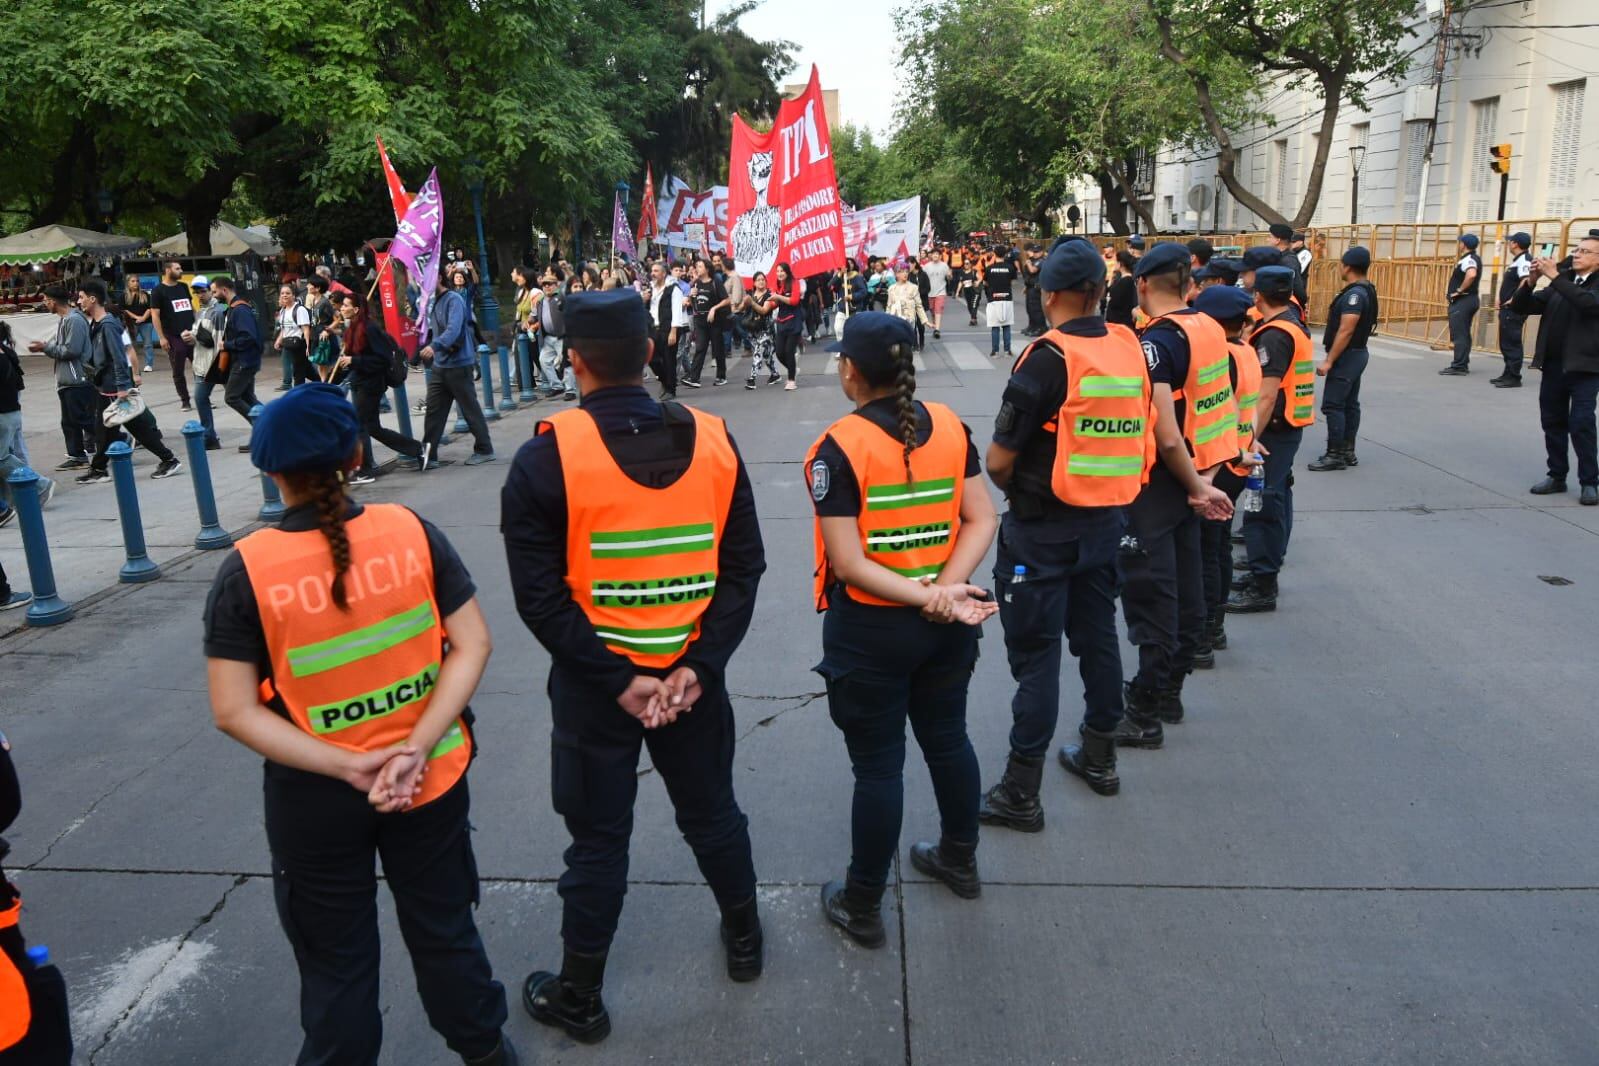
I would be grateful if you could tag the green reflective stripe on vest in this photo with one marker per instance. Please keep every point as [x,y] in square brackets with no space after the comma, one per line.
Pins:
[1304,366]
[1302,410]
[653,641]
[917,571]
[360,643]
[369,706]
[1105,465]
[905,538]
[1206,434]
[1248,402]
[641,543]
[1089,426]
[1101,385]
[890,497]
[1212,371]
[654,593]
[448,742]
[1307,388]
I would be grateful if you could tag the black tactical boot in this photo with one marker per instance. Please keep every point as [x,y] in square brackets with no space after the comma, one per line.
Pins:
[1139,728]
[1013,803]
[504,1055]
[1349,454]
[570,1000]
[741,936]
[1243,578]
[856,910]
[1218,630]
[1331,459]
[1259,596]
[1094,760]
[1169,701]
[1204,653]
[951,862]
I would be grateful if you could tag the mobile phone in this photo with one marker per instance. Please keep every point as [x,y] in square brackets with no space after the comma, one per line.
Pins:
[1546,251]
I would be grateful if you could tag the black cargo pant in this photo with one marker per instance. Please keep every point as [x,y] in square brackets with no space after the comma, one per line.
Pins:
[1163,592]
[78,419]
[1215,546]
[594,753]
[142,429]
[324,836]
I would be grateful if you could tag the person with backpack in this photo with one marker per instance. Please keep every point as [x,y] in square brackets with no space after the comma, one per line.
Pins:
[376,364]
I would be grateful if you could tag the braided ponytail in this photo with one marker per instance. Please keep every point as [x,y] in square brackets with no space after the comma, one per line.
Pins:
[326,490]
[905,401]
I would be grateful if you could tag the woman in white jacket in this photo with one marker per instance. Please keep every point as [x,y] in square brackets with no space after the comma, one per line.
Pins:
[905,300]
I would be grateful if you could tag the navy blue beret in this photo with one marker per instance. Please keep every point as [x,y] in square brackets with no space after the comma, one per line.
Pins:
[1357,257]
[868,336]
[1262,255]
[1135,241]
[1223,302]
[608,314]
[1274,282]
[1469,240]
[1071,265]
[1224,269]
[1167,255]
[310,427]
[1521,238]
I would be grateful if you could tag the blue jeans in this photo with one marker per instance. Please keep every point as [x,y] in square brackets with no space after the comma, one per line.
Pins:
[13,455]
[1266,530]
[994,333]
[202,407]
[1340,397]
[146,337]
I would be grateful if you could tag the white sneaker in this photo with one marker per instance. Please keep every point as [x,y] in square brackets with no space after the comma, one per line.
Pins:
[361,479]
[791,386]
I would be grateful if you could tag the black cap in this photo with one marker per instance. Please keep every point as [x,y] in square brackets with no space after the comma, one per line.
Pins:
[1070,265]
[1282,231]
[1224,270]
[1262,256]
[868,340]
[1521,239]
[1274,282]
[1357,257]
[1165,256]
[610,314]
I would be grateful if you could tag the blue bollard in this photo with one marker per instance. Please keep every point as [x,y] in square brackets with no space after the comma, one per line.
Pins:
[271,502]
[524,363]
[139,566]
[402,409]
[507,401]
[211,535]
[486,372]
[47,609]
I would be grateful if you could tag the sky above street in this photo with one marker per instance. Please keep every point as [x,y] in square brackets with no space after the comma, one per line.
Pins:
[852,43]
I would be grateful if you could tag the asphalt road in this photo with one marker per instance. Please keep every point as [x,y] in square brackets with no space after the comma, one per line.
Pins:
[1370,842]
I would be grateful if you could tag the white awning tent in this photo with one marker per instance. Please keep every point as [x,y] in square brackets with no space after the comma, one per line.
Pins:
[50,244]
[226,239]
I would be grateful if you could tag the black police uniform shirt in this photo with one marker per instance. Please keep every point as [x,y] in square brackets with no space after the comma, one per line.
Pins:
[1033,397]
[1276,351]
[233,616]
[998,279]
[1465,264]
[1358,299]
[653,443]
[1514,275]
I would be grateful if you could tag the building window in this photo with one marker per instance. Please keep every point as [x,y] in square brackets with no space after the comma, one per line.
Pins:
[1484,127]
[1170,214]
[1565,141]
[1415,152]
[1224,205]
[1279,177]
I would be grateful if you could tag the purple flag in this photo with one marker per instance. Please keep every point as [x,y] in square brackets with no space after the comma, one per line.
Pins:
[419,244]
[621,232]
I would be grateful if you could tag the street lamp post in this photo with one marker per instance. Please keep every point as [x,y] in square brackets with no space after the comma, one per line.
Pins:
[488,306]
[1357,159]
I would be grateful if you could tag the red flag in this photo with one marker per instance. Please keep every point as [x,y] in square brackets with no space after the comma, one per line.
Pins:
[782,195]
[398,197]
[395,322]
[646,220]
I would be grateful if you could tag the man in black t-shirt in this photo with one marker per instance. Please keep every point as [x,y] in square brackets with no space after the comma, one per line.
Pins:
[1001,311]
[1350,320]
[172,314]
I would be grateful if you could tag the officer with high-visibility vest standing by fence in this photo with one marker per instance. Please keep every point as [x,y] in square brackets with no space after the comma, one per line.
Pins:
[1196,430]
[902,520]
[634,553]
[1072,446]
[1287,405]
[343,646]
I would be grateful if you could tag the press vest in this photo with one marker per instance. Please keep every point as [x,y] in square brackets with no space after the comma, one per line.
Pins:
[16,1011]
[1299,384]
[642,561]
[357,678]
[1210,424]
[907,526]
[1246,363]
[1105,430]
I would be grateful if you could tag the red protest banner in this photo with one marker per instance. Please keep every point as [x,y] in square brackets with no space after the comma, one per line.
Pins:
[782,196]
[398,197]
[646,219]
[396,323]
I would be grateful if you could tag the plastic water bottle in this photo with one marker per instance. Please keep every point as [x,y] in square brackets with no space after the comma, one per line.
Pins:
[39,955]
[1254,484]
[1017,576]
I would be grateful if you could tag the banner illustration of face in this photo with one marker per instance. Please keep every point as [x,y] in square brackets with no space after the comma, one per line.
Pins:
[755,234]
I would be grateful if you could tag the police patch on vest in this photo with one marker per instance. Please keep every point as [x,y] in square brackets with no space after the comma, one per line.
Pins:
[1205,403]
[821,481]
[332,717]
[1089,426]
[905,538]
[653,593]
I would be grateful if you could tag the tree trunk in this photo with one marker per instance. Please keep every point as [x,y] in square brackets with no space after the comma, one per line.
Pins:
[62,187]
[1113,208]
[1120,174]
[1332,91]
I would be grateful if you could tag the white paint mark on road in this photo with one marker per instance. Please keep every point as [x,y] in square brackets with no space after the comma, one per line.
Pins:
[142,986]
[967,356]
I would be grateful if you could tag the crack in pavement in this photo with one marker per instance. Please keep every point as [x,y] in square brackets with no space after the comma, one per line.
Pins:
[1266,1025]
[204,920]
[805,699]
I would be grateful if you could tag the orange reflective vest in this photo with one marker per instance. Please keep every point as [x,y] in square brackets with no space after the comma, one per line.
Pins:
[907,526]
[641,561]
[1299,384]
[357,678]
[956,260]
[1210,422]
[16,1011]
[1105,430]
[1246,364]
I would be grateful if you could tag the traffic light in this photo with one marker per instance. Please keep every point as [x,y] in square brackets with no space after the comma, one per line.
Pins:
[1500,161]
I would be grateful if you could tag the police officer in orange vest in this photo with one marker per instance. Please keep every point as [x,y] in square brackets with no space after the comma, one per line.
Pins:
[34,1027]
[1230,307]
[1196,430]
[1287,405]
[635,553]
[343,646]
[1072,445]
[902,520]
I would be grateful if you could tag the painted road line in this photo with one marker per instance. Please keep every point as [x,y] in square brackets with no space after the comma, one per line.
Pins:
[967,356]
